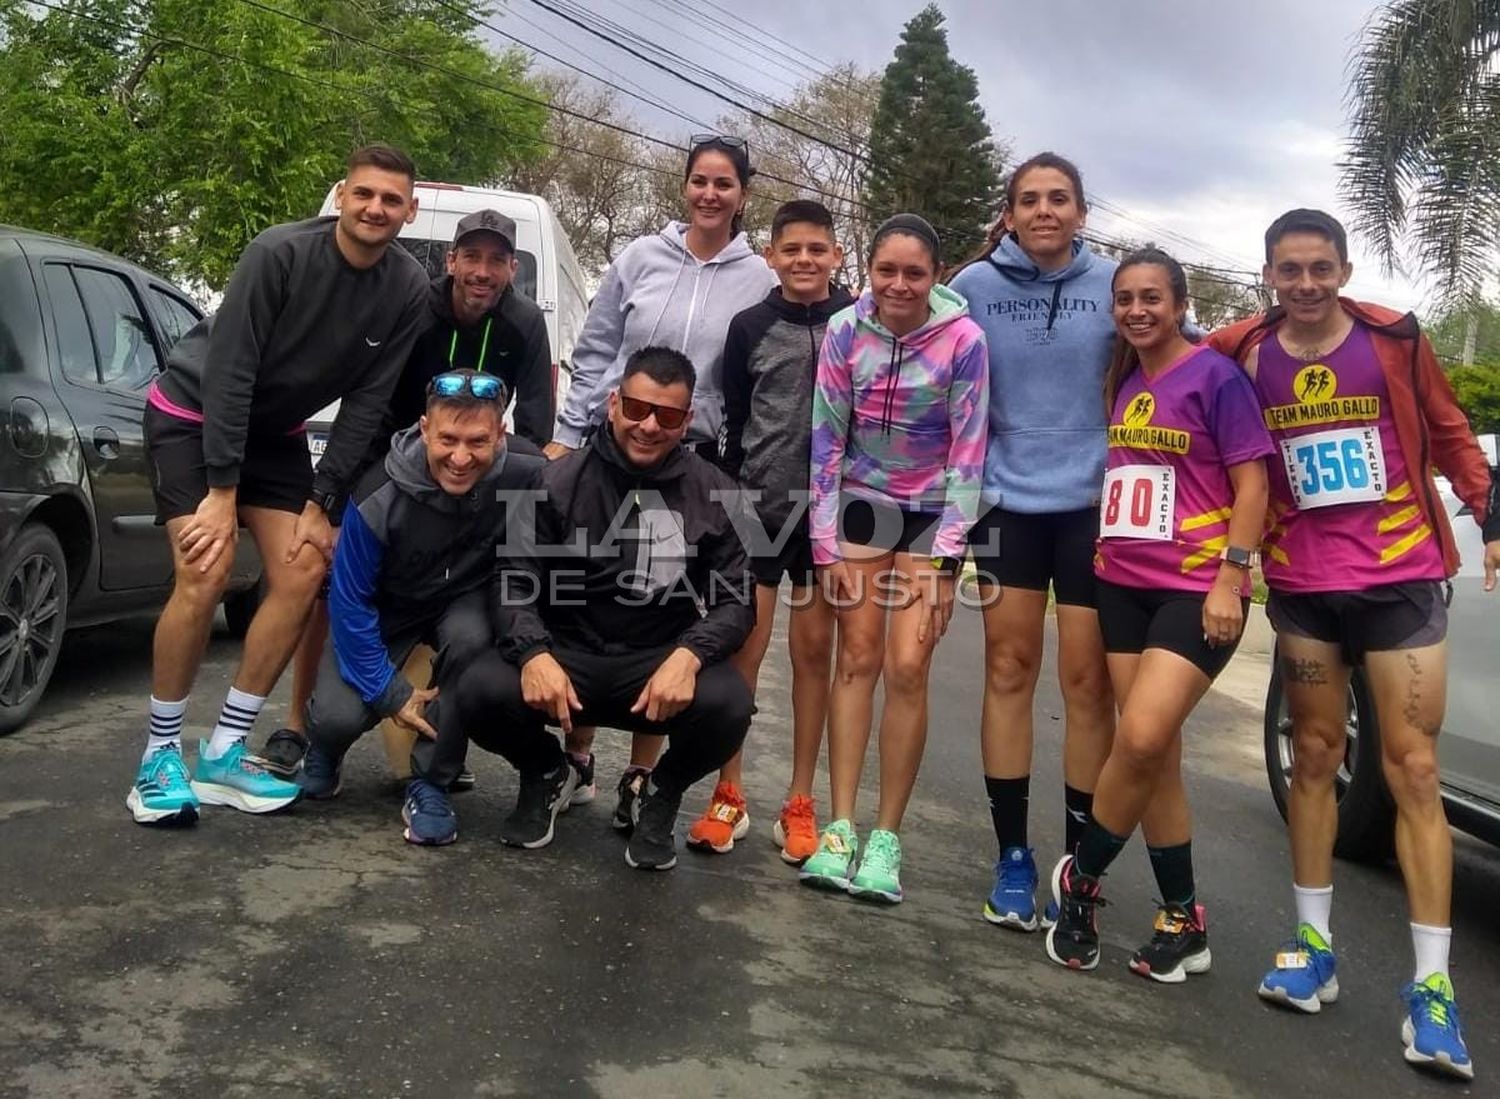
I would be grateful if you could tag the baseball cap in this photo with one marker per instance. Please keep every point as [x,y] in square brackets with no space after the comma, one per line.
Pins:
[487,221]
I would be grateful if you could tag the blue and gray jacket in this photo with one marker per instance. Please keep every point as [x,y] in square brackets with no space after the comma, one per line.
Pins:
[406,550]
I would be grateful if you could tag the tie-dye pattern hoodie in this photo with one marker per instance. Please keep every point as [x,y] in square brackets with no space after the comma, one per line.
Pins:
[900,420]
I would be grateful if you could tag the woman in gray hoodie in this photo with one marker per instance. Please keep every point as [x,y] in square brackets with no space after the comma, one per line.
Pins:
[678,288]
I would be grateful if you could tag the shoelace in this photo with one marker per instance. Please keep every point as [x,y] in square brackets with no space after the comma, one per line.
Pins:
[427,798]
[168,768]
[1172,922]
[799,810]
[880,853]
[1435,1007]
[1016,875]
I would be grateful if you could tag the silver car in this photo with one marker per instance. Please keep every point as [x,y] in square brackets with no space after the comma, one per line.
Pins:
[1470,745]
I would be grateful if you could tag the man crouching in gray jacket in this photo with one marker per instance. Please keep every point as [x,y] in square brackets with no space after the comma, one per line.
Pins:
[412,566]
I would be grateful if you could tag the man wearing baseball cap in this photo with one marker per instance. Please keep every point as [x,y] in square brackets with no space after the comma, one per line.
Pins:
[479,322]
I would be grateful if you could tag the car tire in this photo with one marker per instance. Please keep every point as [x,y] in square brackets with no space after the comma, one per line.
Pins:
[240,608]
[1367,815]
[33,620]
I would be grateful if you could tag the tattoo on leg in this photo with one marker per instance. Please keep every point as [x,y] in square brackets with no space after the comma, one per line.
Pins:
[1413,709]
[1311,672]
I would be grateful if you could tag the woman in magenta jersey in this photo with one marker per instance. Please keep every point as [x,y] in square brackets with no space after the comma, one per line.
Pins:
[1181,513]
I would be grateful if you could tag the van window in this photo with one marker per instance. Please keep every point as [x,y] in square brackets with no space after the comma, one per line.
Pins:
[433,255]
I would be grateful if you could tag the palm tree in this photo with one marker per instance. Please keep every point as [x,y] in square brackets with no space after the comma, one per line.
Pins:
[1422,163]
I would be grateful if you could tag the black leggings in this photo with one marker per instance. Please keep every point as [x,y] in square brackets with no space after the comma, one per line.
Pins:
[701,739]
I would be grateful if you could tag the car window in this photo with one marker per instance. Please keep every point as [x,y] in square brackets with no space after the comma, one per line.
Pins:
[433,255]
[74,345]
[122,338]
[176,316]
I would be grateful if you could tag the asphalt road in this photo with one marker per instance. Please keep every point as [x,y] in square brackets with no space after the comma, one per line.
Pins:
[314,953]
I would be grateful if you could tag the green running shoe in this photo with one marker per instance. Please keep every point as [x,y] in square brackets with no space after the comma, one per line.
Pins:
[879,877]
[830,865]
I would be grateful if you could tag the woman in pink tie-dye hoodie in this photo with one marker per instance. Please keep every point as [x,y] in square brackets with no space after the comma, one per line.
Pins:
[899,430]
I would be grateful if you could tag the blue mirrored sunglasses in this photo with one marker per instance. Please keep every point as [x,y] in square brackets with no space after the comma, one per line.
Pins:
[486,387]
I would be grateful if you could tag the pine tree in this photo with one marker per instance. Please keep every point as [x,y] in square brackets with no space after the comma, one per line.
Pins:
[931,151]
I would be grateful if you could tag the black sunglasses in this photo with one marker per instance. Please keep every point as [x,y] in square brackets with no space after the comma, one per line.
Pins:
[728,142]
[668,417]
[485,387]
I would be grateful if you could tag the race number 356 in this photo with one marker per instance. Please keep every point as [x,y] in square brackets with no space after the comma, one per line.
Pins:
[1139,502]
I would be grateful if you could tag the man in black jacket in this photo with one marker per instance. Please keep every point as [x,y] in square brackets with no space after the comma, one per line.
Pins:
[478,321]
[620,608]
[414,559]
[315,310]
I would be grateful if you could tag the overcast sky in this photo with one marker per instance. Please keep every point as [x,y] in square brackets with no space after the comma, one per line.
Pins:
[1196,120]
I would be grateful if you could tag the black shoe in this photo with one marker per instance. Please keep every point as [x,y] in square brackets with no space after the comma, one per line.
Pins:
[283,753]
[584,790]
[629,790]
[1179,947]
[462,781]
[539,801]
[653,844]
[1074,940]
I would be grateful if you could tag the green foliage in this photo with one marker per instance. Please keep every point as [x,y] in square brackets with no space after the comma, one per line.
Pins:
[173,131]
[1449,329]
[1478,391]
[931,150]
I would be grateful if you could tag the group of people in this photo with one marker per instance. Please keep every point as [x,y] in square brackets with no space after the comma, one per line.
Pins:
[737,420]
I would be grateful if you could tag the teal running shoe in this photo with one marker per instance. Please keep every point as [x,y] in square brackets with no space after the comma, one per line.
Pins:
[830,865]
[879,877]
[236,780]
[1305,976]
[1431,1032]
[162,793]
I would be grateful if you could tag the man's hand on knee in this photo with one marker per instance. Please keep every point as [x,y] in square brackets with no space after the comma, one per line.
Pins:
[212,529]
[312,528]
[545,686]
[671,688]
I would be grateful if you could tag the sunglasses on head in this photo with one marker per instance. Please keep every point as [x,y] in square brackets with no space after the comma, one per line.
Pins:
[636,410]
[725,140]
[485,387]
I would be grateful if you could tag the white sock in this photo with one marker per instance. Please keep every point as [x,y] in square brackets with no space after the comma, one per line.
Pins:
[1314,907]
[235,719]
[166,726]
[1430,945]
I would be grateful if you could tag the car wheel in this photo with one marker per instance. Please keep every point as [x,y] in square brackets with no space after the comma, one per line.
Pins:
[1367,815]
[240,608]
[33,619]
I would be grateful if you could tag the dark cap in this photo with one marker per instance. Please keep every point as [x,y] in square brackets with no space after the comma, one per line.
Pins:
[486,221]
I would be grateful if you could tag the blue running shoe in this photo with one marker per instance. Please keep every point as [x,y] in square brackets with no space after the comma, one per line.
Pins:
[428,815]
[321,774]
[1049,914]
[1432,1034]
[1012,903]
[235,779]
[1304,977]
[162,793]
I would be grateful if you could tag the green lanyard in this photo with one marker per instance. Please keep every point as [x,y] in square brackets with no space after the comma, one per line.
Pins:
[484,345]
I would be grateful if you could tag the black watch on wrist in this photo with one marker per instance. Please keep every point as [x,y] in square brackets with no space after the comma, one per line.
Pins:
[1240,558]
[328,501]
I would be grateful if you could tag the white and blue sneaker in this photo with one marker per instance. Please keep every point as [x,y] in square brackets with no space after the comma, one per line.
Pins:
[1431,1032]
[1305,975]
[428,815]
[1012,903]
[162,793]
[235,779]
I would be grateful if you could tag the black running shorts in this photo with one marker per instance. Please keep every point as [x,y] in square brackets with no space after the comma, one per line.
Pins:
[1055,550]
[1133,620]
[883,527]
[1382,619]
[276,472]
[794,560]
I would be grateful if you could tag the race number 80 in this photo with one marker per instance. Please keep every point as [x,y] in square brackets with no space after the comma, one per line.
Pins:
[1139,502]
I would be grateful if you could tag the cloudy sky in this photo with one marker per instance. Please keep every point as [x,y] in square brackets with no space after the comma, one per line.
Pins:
[1195,124]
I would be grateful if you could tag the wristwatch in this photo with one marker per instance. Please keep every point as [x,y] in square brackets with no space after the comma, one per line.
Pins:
[1240,558]
[328,501]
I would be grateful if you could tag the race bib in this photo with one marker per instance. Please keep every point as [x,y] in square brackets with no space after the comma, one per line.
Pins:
[1139,502]
[1343,466]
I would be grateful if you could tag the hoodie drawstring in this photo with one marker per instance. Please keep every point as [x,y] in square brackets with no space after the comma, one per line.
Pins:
[893,376]
[484,345]
[666,301]
[1056,296]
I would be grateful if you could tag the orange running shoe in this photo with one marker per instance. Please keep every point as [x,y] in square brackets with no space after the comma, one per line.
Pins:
[724,821]
[797,830]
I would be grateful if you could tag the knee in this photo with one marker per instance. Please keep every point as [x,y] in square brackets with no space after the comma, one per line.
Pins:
[859,660]
[479,687]
[299,580]
[813,650]
[1412,775]
[906,672]
[1009,669]
[1087,684]
[203,589]
[1318,748]
[1140,749]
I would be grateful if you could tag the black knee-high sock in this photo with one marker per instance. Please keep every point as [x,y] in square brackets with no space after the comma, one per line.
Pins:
[1080,810]
[1097,849]
[1009,798]
[1173,867]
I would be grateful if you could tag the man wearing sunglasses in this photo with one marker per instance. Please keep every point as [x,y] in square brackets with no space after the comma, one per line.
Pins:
[620,609]
[414,558]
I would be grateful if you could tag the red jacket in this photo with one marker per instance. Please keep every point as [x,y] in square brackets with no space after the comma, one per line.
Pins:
[1430,425]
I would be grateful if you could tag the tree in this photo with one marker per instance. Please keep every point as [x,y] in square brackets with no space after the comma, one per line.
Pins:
[173,131]
[1218,299]
[1451,329]
[1420,168]
[931,151]
[1478,391]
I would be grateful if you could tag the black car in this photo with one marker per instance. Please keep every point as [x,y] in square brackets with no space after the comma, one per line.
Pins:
[82,333]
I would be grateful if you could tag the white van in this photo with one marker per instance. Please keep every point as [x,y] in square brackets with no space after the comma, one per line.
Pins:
[547,271]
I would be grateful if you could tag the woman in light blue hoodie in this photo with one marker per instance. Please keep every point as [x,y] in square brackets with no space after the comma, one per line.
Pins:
[1044,302]
[678,288]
